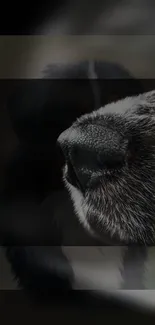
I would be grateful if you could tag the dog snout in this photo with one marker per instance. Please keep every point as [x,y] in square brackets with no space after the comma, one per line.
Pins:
[75,152]
[91,151]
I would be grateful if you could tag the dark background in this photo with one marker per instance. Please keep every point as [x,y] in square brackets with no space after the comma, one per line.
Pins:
[126,18]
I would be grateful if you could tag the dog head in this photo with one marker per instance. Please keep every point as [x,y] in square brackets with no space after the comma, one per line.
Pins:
[110,169]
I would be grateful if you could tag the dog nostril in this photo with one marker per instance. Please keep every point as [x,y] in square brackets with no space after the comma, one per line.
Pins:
[75,153]
[71,175]
[70,153]
[111,161]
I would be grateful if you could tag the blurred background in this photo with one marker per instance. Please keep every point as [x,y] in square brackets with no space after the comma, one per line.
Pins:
[117,31]
[121,32]
[27,56]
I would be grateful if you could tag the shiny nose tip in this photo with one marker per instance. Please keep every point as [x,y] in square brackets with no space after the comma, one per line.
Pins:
[61,139]
[58,141]
[66,138]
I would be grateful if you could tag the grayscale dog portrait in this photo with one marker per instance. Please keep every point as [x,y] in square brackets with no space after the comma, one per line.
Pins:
[110,170]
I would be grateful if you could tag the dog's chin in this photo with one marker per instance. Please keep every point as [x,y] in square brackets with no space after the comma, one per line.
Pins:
[78,201]
[81,210]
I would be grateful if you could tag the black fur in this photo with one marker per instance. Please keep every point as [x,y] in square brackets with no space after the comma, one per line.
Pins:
[110,169]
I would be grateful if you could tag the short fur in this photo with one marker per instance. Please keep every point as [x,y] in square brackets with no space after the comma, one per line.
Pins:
[118,201]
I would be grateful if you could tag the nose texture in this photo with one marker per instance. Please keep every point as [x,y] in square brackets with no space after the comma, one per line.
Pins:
[64,143]
[71,144]
[62,138]
[91,150]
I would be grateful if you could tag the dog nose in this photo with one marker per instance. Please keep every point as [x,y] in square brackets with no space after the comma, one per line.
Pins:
[90,151]
[64,142]
[75,152]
